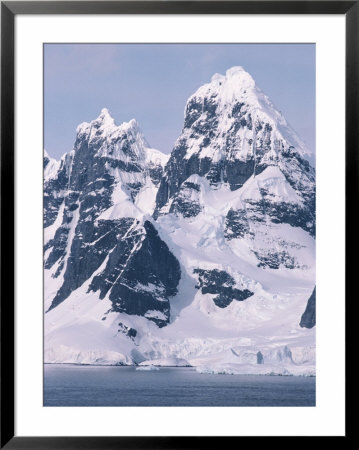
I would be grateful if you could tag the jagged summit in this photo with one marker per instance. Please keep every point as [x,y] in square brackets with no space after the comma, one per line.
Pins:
[238,71]
[236,77]
[105,124]
[235,85]
[125,142]
[104,120]
[238,102]
[233,132]
[131,124]
[95,197]
[105,115]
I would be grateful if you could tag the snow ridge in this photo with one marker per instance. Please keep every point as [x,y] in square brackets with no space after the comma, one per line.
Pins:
[238,87]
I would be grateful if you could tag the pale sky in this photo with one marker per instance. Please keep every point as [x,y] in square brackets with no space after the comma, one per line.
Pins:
[152,82]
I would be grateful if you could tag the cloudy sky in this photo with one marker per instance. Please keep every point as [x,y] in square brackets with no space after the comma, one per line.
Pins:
[152,82]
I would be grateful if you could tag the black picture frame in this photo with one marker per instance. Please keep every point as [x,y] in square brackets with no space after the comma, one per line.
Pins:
[9,10]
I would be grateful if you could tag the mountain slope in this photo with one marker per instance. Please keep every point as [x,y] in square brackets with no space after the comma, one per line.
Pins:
[232,132]
[103,193]
[206,257]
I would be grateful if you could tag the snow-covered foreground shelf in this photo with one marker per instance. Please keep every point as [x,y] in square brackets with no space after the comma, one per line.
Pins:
[251,369]
[276,361]
[167,362]
[307,370]
[147,368]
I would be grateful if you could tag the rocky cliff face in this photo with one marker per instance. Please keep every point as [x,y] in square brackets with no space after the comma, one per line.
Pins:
[231,133]
[101,232]
[150,256]
[308,317]
[234,139]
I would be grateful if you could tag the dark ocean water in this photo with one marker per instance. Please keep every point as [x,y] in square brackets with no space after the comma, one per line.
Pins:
[71,385]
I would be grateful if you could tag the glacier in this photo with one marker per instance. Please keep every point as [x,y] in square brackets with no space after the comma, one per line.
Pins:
[204,257]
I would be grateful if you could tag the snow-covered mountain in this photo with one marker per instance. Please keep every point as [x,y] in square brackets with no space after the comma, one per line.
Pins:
[205,257]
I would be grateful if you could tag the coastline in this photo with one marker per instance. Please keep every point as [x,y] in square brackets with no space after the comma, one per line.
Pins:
[197,369]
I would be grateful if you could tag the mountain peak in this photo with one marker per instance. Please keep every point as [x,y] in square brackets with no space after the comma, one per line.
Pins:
[105,114]
[105,118]
[236,70]
[131,125]
[240,77]
[236,85]
[236,76]
[235,97]
[104,121]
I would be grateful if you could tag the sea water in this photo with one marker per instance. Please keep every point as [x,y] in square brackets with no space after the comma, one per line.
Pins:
[72,385]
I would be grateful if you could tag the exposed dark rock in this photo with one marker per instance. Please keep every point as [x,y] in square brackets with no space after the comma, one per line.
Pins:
[128,331]
[184,207]
[220,283]
[140,276]
[186,201]
[236,224]
[156,172]
[275,260]
[238,172]
[85,257]
[262,148]
[190,185]
[140,273]
[308,317]
[260,359]
[177,171]
[54,190]
[293,214]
